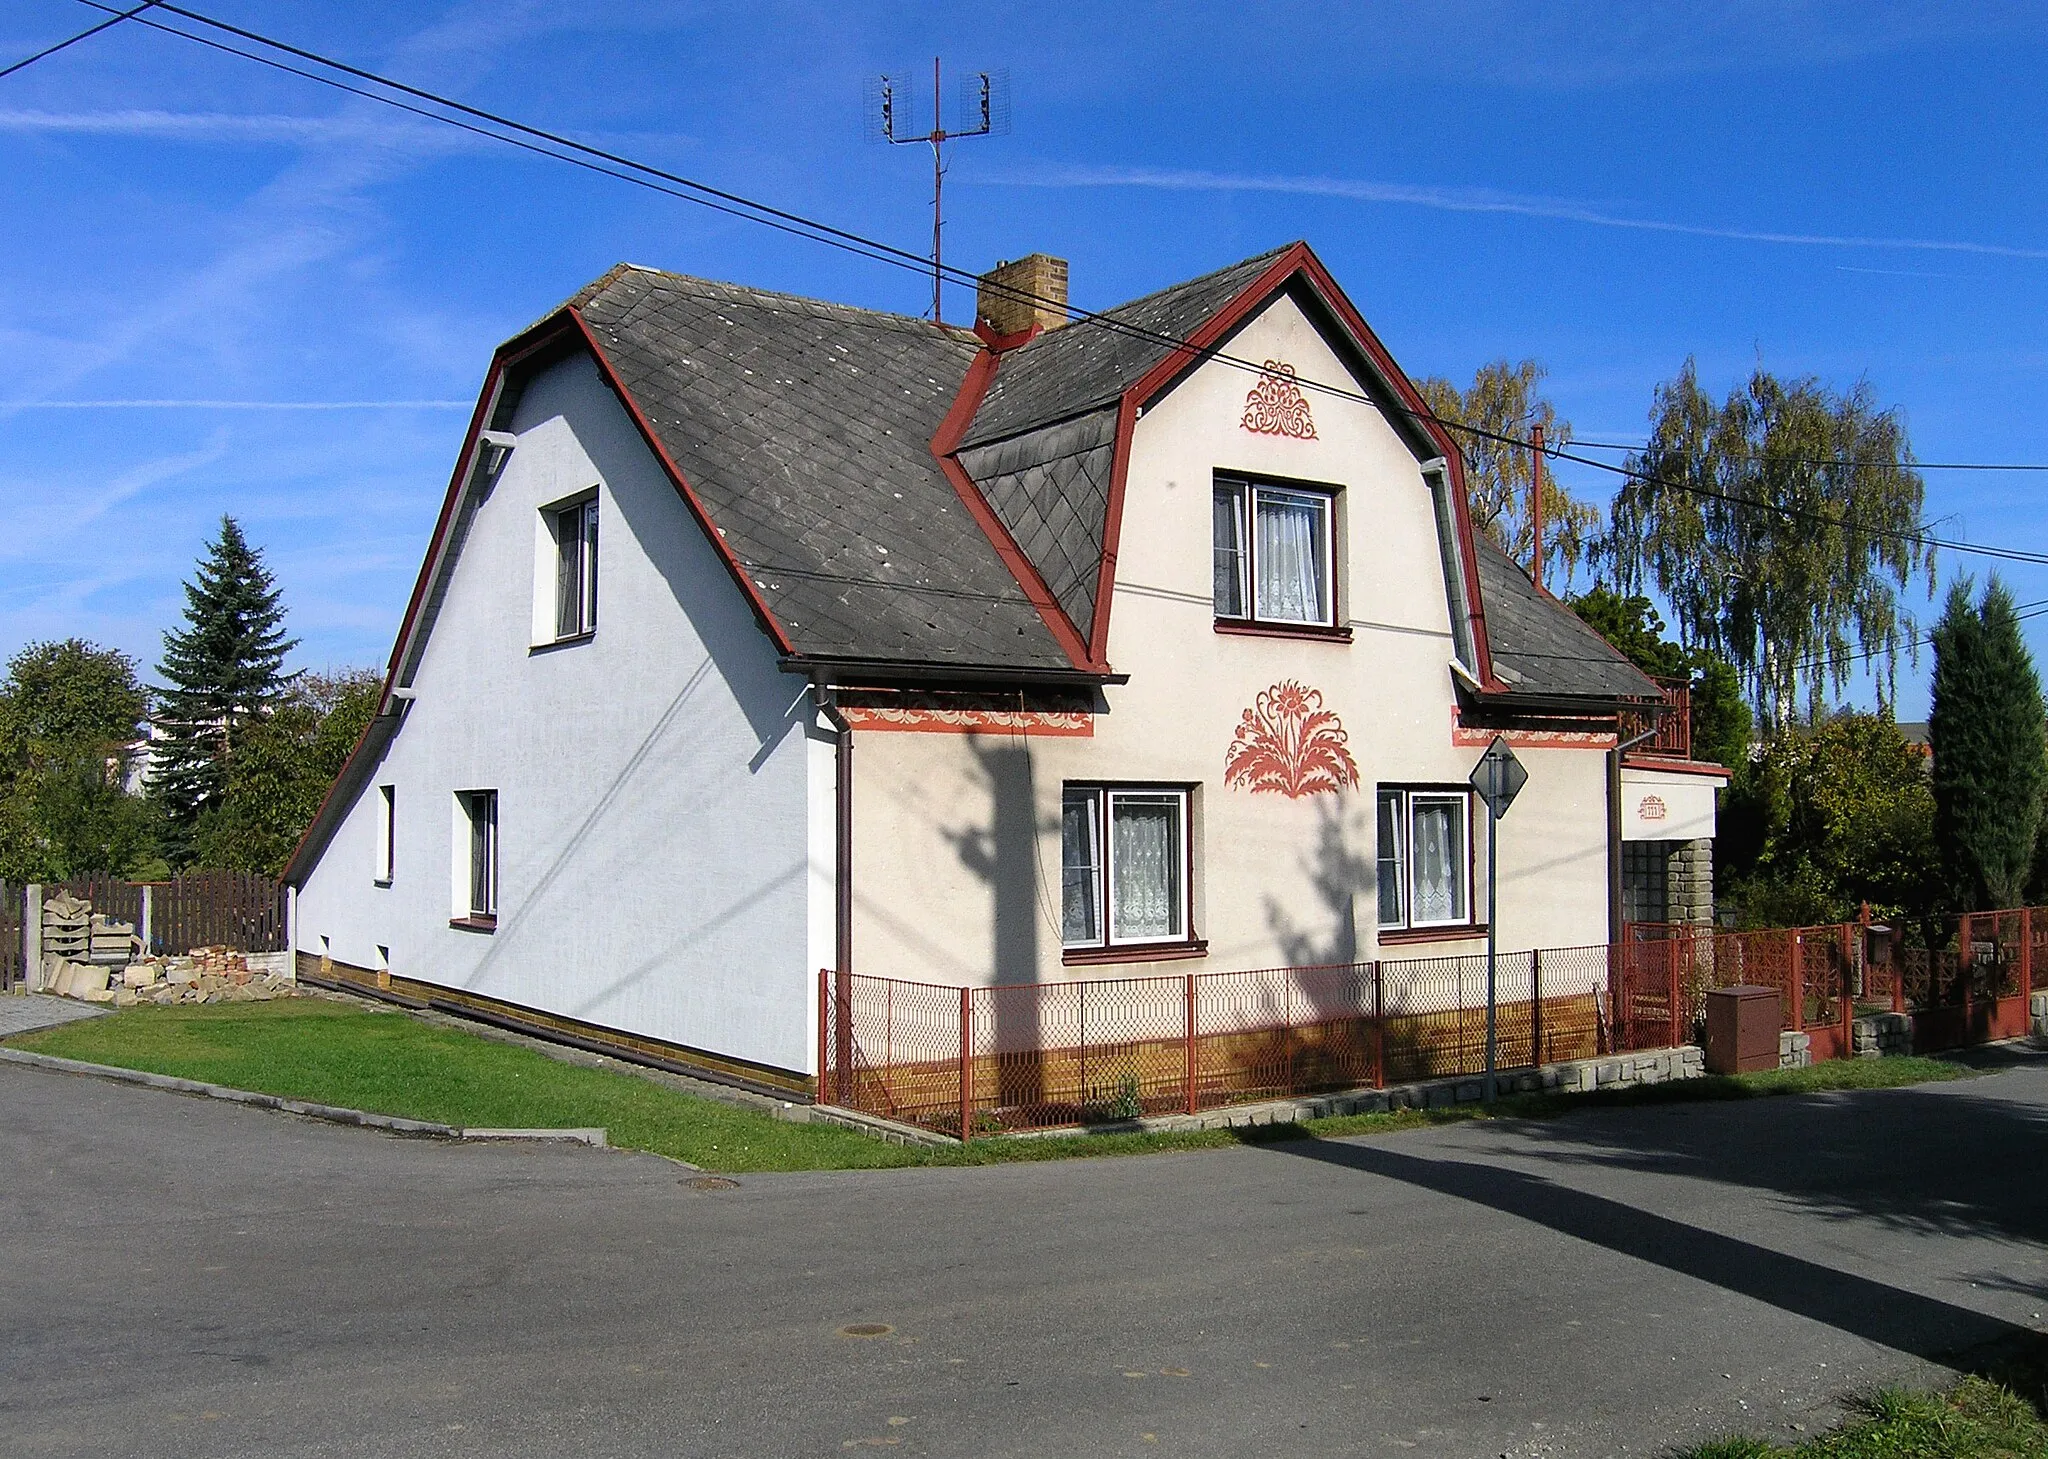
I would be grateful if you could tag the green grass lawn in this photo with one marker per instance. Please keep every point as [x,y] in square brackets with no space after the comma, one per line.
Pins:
[1976,1419]
[389,1062]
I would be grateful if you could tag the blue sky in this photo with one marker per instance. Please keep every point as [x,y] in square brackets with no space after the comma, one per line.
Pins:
[1843,190]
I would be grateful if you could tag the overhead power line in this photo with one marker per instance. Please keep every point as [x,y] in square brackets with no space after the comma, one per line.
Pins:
[1846,461]
[626,169]
[87,34]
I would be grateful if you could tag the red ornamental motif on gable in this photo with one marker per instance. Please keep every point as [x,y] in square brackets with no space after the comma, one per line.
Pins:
[1275,405]
[1287,742]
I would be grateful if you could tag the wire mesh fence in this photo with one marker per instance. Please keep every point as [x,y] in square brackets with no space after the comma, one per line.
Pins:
[1035,1055]
[968,1061]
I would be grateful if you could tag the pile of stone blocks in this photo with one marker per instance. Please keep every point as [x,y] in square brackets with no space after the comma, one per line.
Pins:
[100,960]
[67,927]
[206,975]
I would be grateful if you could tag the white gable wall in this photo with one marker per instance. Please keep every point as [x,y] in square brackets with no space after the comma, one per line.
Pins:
[658,869]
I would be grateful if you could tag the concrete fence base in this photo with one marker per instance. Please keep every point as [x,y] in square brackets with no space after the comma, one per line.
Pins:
[1795,1050]
[1576,1076]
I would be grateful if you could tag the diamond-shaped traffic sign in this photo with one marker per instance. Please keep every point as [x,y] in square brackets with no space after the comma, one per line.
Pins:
[1499,777]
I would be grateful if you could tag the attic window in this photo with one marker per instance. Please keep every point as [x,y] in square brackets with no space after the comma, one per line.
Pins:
[575,533]
[1274,561]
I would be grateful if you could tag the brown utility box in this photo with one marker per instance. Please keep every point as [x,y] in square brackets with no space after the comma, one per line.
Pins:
[1743,1024]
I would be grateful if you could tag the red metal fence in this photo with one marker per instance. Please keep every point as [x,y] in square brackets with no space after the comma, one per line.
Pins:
[1030,1055]
[968,1061]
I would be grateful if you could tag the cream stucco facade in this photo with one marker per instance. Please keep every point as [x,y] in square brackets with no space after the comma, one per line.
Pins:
[957,842]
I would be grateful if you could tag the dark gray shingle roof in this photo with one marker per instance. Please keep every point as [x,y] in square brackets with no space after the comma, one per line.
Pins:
[805,428]
[1087,364]
[1050,488]
[1542,648]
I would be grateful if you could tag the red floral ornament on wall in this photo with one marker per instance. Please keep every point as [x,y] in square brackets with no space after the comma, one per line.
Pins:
[1275,405]
[1287,742]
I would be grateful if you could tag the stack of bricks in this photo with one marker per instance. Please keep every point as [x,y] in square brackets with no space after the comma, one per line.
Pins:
[223,960]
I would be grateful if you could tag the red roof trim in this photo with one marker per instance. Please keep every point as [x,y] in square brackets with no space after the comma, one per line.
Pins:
[1004,343]
[537,337]
[565,324]
[945,443]
[1296,260]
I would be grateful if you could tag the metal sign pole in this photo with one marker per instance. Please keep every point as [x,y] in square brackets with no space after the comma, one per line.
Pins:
[1492,940]
[1499,778]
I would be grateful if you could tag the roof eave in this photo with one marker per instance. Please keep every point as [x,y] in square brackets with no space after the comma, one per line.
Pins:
[846,670]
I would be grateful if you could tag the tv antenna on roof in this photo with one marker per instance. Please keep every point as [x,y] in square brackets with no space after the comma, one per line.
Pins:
[984,112]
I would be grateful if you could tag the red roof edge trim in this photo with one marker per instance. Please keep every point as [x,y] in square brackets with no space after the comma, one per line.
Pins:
[1004,343]
[944,446]
[1454,458]
[762,615]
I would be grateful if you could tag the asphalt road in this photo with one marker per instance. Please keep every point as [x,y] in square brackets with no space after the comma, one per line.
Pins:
[184,1277]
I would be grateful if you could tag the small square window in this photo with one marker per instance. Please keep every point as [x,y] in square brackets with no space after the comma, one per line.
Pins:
[1273,559]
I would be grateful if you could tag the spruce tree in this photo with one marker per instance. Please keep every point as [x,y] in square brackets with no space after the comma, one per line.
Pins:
[1985,732]
[222,670]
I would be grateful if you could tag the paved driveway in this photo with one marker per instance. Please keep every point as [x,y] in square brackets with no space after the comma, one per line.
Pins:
[20,1012]
[186,1277]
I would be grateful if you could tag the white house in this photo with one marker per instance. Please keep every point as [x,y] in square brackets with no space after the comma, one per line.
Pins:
[760,636]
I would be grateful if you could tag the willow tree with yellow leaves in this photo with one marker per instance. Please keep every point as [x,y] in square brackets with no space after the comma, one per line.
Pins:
[1783,527]
[1502,405]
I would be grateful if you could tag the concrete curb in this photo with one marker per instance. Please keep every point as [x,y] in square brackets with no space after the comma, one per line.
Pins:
[333,1114]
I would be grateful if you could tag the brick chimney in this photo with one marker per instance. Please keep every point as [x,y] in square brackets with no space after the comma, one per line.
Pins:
[1016,295]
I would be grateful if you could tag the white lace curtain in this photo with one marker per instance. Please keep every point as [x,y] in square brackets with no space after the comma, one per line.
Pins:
[1290,558]
[1080,918]
[1439,848]
[1147,867]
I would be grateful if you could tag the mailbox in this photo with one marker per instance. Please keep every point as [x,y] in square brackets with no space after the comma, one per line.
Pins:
[1743,1024]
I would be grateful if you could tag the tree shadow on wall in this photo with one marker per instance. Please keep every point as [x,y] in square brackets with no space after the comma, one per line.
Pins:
[1322,1039]
[1340,875]
[1003,854]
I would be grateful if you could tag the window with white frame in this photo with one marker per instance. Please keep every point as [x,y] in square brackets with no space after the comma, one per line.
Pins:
[1124,866]
[575,533]
[387,833]
[1274,559]
[480,817]
[1425,858]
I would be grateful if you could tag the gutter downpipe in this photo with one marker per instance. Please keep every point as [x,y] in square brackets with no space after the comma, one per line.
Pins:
[842,885]
[1621,748]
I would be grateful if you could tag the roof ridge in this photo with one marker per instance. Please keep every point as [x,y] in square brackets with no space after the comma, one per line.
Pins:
[1189,283]
[750,291]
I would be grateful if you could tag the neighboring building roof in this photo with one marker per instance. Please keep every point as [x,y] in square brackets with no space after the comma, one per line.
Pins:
[805,429]
[1541,648]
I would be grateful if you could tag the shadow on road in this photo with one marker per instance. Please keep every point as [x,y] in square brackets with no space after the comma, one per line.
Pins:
[1952,1163]
[1955,1159]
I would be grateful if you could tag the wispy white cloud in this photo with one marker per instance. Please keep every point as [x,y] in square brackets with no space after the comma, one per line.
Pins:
[36,534]
[1898,273]
[236,404]
[1471,200]
[220,126]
